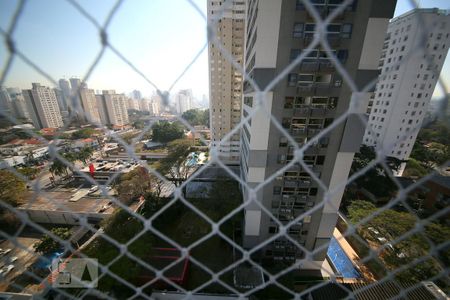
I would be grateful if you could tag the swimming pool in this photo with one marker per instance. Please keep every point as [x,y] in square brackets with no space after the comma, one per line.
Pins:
[341,263]
[45,261]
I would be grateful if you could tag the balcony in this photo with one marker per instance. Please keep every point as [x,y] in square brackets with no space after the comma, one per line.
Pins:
[298,131]
[291,183]
[313,131]
[304,183]
[301,112]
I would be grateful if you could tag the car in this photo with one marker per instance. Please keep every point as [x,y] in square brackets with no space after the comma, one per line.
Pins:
[4,252]
[5,270]
[373,230]
[13,259]
[93,189]
[382,239]
[401,255]
[390,247]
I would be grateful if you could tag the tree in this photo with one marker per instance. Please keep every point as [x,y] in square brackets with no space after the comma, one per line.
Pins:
[375,180]
[175,163]
[85,154]
[28,172]
[84,133]
[136,183]
[47,244]
[12,188]
[196,117]
[223,197]
[165,132]
[360,209]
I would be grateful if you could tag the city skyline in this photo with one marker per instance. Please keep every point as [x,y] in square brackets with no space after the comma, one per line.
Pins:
[147,44]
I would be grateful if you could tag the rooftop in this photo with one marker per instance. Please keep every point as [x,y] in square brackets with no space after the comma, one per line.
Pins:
[61,201]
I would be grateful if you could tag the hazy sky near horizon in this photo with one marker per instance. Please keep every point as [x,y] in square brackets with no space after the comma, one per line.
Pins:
[160,37]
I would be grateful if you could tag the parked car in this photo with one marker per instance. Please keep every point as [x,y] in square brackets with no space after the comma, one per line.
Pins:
[5,270]
[373,230]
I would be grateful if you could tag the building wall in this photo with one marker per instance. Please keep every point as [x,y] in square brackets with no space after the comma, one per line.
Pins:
[89,105]
[304,108]
[61,217]
[18,103]
[113,108]
[225,79]
[408,78]
[43,107]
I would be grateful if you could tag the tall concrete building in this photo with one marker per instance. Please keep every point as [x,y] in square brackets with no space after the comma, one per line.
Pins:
[227,19]
[89,106]
[5,102]
[133,104]
[75,84]
[43,107]
[183,101]
[406,83]
[64,86]
[136,94]
[304,103]
[112,108]
[19,106]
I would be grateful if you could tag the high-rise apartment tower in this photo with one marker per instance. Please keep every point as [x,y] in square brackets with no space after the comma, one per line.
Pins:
[43,107]
[305,102]
[227,20]
[414,52]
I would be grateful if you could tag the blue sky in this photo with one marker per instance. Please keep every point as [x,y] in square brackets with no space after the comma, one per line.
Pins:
[160,37]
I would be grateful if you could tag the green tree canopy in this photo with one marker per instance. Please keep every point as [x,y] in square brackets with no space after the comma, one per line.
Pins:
[12,188]
[165,132]
[136,183]
[197,117]
[174,164]
[84,133]
[375,180]
[47,244]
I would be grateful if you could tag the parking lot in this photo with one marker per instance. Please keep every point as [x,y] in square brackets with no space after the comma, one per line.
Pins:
[16,259]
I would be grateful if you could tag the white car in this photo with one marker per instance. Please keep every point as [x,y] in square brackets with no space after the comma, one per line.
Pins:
[373,230]
[6,270]
[382,240]
[93,189]
[4,252]
[13,259]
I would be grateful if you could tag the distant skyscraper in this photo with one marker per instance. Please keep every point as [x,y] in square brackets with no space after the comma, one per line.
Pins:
[154,107]
[89,106]
[144,105]
[112,108]
[19,105]
[75,84]
[65,89]
[5,102]
[43,107]
[406,84]
[62,103]
[133,104]
[183,101]
[228,20]
[136,95]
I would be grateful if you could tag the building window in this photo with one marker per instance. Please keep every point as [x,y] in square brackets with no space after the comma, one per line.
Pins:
[346,31]
[298,30]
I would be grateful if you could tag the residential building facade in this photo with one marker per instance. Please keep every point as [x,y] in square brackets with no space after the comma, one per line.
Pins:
[414,51]
[43,107]
[305,102]
[112,108]
[19,106]
[183,101]
[89,106]
[227,18]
